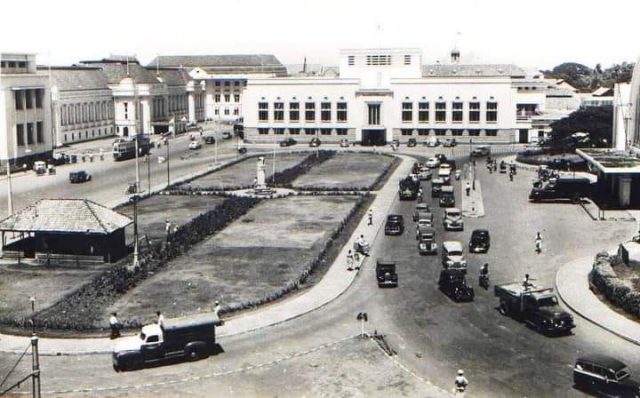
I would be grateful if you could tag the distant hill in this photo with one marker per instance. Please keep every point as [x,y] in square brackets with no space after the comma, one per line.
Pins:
[586,79]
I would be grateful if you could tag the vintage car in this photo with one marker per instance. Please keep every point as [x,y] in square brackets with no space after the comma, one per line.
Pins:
[480,151]
[420,207]
[450,142]
[194,145]
[453,219]
[424,173]
[480,241]
[427,241]
[432,163]
[315,142]
[447,199]
[288,142]
[412,142]
[436,187]
[453,283]
[425,219]
[394,225]
[344,143]
[76,177]
[227,135]
[386,273]
[452,256]
[604,376]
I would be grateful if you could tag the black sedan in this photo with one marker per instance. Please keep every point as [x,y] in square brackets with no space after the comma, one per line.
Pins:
[288,142]
[453,283]
[480,241]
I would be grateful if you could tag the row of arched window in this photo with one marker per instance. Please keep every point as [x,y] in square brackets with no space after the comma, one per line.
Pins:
[71,114]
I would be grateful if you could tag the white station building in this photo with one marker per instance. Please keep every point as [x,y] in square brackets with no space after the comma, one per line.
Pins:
[386,94]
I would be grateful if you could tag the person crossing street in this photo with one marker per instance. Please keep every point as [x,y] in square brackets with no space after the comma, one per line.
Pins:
[461,383]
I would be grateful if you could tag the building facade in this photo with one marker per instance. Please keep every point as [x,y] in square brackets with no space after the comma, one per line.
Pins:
[25,110]
[83,107]
[386,94]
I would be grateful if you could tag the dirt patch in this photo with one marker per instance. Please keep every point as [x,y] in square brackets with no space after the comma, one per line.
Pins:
[242,174]
[251,258]
[345,171]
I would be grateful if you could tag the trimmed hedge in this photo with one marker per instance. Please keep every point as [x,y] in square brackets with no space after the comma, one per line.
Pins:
[603,279]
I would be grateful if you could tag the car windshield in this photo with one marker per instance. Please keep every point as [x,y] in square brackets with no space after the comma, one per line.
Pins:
[453,214]
[622,374]
[455,253]
[143,337]
[548,302]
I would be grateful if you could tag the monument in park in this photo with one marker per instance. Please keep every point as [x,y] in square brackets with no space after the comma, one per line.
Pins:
[261,187]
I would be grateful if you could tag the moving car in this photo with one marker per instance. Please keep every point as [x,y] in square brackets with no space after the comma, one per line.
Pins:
[480,241]
[432,142]
[452,256]
[427,241]
[227,135]
[288,142]
[453,219]
[453,283]
[40,167]
[425,219]
[195,145]
[563,187]
[604,375]
[412,142]
[424,174]
[436,187]
[344,143]
[394,225]
[209,138]
[479,151]
[450,142]
[386,273]
[192,337]
[432,163]
[80,176]
[420,207]
[447,198]
[314,142]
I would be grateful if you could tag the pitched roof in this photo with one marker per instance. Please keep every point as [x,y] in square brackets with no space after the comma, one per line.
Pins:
[116,72]
[77,78]
[65,215]
[486,70]
[171,76]
[221,64]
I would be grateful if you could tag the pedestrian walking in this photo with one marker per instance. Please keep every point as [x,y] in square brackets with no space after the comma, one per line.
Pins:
[511,175]
[349,261]
[101,154]
[370,215]
[216,309]
[461,384]
[468,188]
[538,242]
[115,326]
[167,227]
[160,319]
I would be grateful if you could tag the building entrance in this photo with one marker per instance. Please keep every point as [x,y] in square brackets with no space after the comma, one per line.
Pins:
[523,136]
[377,137]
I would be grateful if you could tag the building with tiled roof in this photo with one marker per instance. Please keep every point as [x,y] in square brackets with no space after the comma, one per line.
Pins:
[67,226]
[471,70]
[83,107]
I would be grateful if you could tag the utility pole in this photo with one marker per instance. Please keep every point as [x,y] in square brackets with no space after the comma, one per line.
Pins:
[9,193]
[135,230]
[35,359]
[148,173]
[168,167]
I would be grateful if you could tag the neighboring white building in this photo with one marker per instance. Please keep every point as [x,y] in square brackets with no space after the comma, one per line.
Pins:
[82,104]
[386,94]
[621,116]
[224,78]
[25,110]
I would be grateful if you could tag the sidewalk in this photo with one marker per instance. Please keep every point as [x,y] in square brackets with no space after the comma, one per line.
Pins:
[332,285]
[572,284]
[472,205]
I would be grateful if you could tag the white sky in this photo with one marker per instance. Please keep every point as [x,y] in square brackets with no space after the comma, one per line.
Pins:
[540,33]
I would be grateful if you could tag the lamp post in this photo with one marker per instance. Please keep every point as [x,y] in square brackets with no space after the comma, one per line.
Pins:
[9,193]
[35,360]
[168,168]
[148,160]
[135,198]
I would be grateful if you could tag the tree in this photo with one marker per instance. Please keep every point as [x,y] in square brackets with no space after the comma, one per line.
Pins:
[597,121]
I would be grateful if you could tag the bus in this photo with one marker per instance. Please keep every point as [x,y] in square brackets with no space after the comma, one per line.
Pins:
[126,148]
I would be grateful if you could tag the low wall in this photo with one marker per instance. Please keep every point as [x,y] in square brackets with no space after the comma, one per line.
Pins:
[603,280]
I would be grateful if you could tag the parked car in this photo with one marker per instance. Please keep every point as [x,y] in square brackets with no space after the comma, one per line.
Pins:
[288,142]
[394,225]
[453,219]
[315,142]
[386,273]
[227,135]
[420,207]
[480,241]
[40,167]
[479,151]
[452,256]
[195,145]
[453,283]
[344,143]
[76,177]
[432,163]
[412,142]
[605,376]
[432,142]
[450,142]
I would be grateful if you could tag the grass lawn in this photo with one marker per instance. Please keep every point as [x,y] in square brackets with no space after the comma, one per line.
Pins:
[178,209]
[345,171]
[252,257]
[242,174]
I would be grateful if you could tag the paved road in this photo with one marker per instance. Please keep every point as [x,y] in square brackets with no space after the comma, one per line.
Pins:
[432,335]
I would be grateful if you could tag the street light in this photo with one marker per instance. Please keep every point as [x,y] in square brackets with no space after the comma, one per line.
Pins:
[135,199]
[168,173]
[35,359]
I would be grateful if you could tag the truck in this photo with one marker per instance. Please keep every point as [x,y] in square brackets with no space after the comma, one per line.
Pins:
[408,188]
[126,148]
[536,306]
[192,337]
[562,187]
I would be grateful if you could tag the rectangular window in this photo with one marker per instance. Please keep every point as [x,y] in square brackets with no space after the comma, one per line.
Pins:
[30,131]
[310,131]
[325,131]
[294,131]
[216,111]
[492,112]
[341,131]
[374,114]
[474,112]
[262,131]
[423,112]
[29,98]
[236,83]
[227,83]
[342,112]
[216,98]
[236,111]
[278,111]
[325,111]
[407,59]
[352,60]
[39,133]
[407,112]
[406,131]
[20,134]
[236,97]
[491,132]
[19,97]
[309,112]
[474,132]
[227,98]
[263,111]
[456,116]
[39,95]
[423,131]
[126,110]
[294,111]
[217,83]
[226,111]
[441,112]
[457,132]
[278,131]
[378,60]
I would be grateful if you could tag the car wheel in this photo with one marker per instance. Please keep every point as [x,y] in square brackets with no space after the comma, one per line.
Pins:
[193,354]
[503,309]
